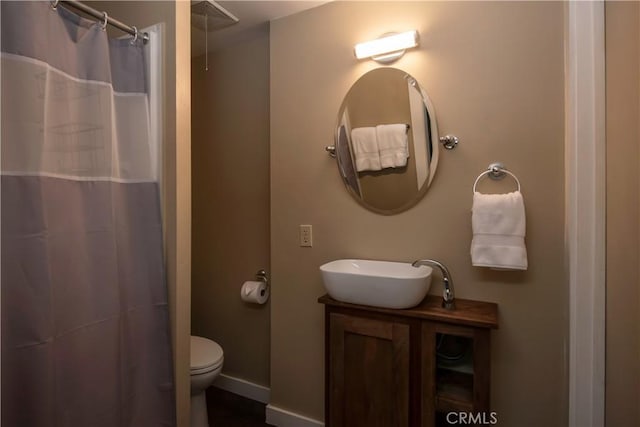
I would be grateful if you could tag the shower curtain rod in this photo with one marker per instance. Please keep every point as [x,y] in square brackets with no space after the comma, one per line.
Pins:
[102,16]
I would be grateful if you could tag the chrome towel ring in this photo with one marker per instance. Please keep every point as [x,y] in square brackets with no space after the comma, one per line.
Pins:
[496,171]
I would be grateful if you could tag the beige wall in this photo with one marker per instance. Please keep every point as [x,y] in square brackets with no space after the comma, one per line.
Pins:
[230,105]
[494,72]
[623,214]
[177,168]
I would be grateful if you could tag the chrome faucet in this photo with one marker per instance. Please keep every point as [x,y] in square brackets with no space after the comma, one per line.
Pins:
[448,298]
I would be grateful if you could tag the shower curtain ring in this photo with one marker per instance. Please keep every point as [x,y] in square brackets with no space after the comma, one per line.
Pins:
[135,35]
[106,21]
[54,4]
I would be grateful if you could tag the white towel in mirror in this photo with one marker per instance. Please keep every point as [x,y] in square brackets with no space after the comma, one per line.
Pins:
[393,145]
[365,149]
[498,222]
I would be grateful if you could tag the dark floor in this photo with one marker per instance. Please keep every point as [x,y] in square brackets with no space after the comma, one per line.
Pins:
[230,410]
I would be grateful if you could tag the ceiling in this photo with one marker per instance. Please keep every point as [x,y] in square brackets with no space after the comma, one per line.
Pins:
[253,15]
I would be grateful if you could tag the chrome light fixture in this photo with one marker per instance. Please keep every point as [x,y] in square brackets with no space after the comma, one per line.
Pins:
[387,48]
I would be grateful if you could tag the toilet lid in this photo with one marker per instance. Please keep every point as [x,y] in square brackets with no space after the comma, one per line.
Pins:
[205,354]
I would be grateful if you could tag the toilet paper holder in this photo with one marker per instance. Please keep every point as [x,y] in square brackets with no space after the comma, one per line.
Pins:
[256,291]
[261,276]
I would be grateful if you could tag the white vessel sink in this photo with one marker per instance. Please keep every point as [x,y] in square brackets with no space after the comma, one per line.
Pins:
[376,283]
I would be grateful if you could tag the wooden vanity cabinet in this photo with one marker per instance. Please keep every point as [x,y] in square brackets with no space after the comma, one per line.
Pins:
[381,365]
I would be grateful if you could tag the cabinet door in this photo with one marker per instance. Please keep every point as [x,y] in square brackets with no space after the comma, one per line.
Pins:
[368,372]
[457,383]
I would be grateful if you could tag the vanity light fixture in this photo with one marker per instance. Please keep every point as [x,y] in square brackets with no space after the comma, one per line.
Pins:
[387,48]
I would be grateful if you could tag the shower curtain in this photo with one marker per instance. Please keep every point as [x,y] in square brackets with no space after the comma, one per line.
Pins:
[85,323]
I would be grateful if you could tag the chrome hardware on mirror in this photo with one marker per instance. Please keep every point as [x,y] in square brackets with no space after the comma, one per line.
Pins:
[331,150]
[449,141]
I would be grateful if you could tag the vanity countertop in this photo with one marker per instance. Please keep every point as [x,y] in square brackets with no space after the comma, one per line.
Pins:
[467,312]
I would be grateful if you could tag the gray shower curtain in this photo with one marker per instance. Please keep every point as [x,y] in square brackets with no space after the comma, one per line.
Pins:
[85,323]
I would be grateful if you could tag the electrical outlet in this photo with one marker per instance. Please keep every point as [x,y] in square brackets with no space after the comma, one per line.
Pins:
[306,235]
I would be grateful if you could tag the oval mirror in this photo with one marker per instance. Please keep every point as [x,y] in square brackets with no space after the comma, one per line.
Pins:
[387,141]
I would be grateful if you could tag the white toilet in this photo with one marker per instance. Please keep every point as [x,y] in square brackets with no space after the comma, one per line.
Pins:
[206,363]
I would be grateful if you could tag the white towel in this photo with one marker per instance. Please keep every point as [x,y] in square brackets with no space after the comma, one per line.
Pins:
[393,145]
[498,223]
[365,149]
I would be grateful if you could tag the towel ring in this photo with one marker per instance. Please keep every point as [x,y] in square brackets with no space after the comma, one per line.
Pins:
[496,171]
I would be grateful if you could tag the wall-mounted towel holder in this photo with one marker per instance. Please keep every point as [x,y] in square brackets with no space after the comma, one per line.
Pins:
[448,141]
[496,171]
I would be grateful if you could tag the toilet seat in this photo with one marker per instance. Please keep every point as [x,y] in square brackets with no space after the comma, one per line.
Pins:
[206,355]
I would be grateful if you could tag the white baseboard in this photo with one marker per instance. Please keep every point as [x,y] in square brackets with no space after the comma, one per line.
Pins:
[282,418]
[243,388]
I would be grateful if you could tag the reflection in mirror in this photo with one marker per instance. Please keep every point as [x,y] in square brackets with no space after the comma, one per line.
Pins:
[387,141]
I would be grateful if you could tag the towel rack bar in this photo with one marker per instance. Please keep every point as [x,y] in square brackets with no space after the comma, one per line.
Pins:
[496,171]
